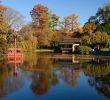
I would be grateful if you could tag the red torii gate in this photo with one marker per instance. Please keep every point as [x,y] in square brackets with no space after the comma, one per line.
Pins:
[15,55]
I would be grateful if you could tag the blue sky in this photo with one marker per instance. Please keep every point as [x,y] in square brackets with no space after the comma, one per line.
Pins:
[83,8]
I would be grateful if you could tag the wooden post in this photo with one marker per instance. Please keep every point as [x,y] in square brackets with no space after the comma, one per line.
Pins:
[15,73]
[14,70]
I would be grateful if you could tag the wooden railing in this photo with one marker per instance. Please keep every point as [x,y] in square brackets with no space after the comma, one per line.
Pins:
[15,55]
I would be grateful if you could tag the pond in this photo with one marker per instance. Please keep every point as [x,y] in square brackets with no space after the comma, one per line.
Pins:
[48,76]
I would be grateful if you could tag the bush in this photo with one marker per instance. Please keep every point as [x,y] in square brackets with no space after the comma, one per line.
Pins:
[104,49]
[85,50]
[3,46]
[26,45]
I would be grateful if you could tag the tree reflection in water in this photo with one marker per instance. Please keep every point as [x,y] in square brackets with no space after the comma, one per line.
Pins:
[48,70]
[41,73]
[99,75]
[9,84]
[40,84]
[69,69]
[71,76]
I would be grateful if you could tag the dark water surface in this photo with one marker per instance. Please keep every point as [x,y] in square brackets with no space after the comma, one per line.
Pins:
[56,77]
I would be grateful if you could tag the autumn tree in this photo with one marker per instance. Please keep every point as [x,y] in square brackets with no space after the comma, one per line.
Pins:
[41,19]
[26,40]
[40,16]
[55,33]
[3,26]
[26,32]
[89,28]
[102,18]
[97,29]
[54,21]
[99,39]
[71,25]
[12,21]
[3,31]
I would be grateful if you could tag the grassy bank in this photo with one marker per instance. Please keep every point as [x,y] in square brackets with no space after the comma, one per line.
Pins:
[44,50]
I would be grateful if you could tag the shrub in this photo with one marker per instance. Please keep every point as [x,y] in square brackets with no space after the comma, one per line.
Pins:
[3,46]
[84,50]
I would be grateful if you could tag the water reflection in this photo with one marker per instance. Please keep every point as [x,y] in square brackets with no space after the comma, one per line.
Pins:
[8,84]
[40,83]
[41,73]
[99,75]
[48,71]
[68,69]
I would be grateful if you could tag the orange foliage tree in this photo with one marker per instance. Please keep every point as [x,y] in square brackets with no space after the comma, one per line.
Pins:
[3,30]
[2,23]
[41,18]
[54,21]
[89,28]
[2,9]
[71,25]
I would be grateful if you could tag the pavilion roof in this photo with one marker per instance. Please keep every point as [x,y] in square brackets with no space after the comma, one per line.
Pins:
[70,40]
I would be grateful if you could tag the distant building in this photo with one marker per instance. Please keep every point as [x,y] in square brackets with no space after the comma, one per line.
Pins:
[68,45]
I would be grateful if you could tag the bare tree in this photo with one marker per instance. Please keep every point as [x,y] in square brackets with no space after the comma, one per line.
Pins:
[13,18]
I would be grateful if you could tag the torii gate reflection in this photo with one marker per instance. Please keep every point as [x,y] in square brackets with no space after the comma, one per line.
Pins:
[15,56]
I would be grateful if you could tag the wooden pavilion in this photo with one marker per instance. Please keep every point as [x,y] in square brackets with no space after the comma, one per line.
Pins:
[68,45]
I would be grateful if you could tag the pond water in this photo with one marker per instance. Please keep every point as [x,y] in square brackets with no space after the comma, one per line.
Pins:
[55,77]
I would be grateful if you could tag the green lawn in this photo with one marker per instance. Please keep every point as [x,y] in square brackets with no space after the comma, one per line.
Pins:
[44,50]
